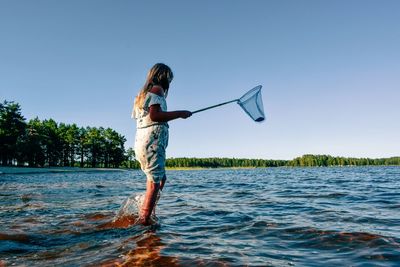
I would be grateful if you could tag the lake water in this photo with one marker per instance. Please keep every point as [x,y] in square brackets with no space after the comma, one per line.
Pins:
[347,216]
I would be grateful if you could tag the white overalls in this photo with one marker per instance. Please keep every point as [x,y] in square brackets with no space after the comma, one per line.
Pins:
[151,139]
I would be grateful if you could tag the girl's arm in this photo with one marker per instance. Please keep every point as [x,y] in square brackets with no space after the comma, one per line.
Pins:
[156,114]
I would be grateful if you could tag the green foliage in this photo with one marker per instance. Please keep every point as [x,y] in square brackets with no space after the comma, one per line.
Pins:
[222,162]
[304,161]
[130,160]
[325,160]
[12,127]
[48,143]
[33,147]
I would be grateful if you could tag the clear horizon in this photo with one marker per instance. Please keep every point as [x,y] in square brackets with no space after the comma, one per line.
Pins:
[329,70]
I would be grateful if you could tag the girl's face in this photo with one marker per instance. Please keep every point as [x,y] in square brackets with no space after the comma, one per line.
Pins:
[166,88]
[165,84]
[165,81]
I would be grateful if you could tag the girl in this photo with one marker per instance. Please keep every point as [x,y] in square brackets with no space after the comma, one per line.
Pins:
[150,112]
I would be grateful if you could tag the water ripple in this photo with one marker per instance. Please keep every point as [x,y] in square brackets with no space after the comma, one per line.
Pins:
[246,217]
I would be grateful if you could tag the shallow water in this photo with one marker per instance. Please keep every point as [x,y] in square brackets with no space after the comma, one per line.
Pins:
[346,216]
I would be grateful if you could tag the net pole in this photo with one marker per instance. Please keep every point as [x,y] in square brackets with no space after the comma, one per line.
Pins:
[214,106]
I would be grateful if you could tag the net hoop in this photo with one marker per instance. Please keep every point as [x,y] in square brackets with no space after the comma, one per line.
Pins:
[251,103]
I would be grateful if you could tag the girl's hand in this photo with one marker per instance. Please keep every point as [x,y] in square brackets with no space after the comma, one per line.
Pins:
[185,114]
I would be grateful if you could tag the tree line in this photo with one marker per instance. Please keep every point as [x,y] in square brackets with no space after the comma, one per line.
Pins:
[222,163]
[38,143]
[303,161]
[326,161]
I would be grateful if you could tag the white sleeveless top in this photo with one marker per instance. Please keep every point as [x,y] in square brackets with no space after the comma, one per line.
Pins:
[142,116]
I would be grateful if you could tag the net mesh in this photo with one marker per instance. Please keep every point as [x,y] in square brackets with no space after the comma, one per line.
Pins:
[252,104]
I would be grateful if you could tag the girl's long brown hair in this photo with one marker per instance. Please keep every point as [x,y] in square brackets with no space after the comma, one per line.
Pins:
[160,74]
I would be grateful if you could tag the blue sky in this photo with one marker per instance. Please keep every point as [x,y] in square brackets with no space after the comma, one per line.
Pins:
[330,70]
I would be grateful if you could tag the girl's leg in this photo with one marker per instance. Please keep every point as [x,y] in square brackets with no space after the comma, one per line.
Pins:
[149,201]
[162,183]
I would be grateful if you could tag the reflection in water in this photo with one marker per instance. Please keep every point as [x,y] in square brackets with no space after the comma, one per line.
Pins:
[23,238]
[120,222]
[146,253]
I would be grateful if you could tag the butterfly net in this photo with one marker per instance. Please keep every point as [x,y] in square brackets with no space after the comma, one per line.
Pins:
[252,104]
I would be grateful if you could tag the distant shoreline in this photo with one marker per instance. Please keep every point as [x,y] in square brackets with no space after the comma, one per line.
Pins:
[28,170]
[209,168]
[247,168]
